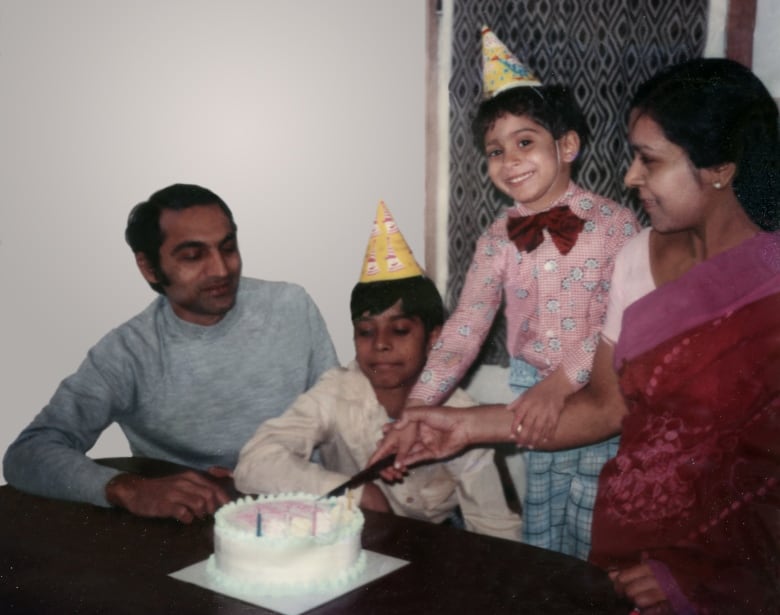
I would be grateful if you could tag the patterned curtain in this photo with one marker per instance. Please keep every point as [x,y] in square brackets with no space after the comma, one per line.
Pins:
[602,49]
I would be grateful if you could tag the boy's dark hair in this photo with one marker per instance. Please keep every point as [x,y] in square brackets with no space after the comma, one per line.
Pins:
[143,233]
[419,297]
[718,111]
[550,106]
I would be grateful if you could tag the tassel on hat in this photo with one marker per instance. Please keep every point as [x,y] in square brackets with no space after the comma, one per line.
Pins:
[501,69]
[388,256]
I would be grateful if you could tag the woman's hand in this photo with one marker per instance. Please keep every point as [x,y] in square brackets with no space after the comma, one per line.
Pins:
[536,412]
[426,433]
[638,584]
[421,434]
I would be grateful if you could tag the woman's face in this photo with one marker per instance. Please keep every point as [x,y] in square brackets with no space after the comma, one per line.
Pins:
[671,189]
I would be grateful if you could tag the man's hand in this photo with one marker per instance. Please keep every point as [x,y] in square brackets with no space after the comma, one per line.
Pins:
[374,499]
[638,584]
[184,496]
[538,410]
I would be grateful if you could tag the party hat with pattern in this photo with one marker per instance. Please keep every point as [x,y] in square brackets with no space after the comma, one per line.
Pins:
[388,256]
[501,69]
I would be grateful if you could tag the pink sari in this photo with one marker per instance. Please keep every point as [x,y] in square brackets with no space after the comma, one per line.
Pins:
[695,487]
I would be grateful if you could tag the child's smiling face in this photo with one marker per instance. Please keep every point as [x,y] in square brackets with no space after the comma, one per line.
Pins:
[526,163]
[391,348]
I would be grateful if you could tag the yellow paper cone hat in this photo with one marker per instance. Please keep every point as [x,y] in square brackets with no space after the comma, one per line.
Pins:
[388,256]
[501,70]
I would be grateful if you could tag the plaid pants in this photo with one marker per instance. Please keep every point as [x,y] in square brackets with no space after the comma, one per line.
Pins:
[560,486]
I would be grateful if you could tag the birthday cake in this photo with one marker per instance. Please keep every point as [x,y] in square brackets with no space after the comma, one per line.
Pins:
[284,544]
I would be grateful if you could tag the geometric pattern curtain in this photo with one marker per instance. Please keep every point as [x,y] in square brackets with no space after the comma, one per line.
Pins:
[602,49]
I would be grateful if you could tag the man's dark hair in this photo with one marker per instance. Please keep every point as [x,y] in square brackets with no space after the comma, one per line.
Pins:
[418,295]
[143,233]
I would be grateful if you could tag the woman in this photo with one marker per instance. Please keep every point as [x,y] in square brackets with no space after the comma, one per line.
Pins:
[687,517]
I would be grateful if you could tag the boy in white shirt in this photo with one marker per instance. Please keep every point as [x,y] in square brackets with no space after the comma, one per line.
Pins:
[397,314]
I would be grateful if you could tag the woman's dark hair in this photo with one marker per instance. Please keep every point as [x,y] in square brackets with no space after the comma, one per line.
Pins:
[550,106]
[418,295]
[718,111]
[143,233]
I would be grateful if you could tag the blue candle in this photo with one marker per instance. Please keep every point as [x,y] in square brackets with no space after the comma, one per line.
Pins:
[259,524]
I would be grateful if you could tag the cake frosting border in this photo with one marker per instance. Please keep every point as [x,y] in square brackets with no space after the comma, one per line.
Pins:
[281,588]
[286,589]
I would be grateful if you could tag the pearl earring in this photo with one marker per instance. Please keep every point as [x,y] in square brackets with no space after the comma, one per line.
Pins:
[717,185]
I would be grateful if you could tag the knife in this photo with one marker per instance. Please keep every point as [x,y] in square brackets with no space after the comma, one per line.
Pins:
[370,473]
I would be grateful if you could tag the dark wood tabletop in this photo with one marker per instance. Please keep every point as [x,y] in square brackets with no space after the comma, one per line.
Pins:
[65,557]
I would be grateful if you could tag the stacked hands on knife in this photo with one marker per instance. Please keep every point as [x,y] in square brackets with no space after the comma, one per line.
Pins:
[435,432]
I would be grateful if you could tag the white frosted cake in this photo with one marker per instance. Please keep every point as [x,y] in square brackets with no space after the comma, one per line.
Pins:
[289,543]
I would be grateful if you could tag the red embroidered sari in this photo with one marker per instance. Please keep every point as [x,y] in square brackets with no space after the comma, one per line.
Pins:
[695,487]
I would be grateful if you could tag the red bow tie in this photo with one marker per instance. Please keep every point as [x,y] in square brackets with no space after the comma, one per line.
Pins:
[562,223]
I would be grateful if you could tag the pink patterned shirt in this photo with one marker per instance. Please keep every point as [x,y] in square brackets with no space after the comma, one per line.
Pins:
[555,304]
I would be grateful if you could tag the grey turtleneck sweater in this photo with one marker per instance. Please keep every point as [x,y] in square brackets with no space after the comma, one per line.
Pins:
[180,392]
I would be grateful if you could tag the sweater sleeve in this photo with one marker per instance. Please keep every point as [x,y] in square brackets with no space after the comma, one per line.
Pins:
[278,457]
[48,458]
[323,354]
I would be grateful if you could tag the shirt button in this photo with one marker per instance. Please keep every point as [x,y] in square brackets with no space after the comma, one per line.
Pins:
[550,333]
[550,266]
[409,499]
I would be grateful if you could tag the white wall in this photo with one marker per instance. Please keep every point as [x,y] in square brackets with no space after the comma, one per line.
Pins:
[766,60]
[301,115]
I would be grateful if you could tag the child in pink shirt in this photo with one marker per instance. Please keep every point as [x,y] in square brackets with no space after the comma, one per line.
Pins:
[549,259]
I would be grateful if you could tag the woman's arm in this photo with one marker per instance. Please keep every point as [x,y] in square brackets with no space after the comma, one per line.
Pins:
[592,414]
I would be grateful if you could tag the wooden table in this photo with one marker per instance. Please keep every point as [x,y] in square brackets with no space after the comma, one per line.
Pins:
[64,557]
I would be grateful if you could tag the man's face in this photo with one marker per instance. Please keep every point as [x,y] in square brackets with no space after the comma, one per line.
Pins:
[200,265]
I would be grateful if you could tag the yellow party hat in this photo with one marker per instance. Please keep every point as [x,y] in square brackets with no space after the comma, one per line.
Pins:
[501,70]
[388,256]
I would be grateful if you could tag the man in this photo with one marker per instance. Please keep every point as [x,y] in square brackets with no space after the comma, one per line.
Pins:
[188,380]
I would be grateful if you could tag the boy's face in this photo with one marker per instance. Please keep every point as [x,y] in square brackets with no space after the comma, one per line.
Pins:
[526,163]
[391,348]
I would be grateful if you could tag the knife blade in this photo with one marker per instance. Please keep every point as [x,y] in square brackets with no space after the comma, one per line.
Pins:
[369,473]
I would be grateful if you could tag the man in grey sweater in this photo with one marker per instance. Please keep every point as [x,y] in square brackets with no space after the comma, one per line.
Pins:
[188,380]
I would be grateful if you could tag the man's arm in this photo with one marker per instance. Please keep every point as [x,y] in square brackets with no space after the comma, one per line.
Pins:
[48,457]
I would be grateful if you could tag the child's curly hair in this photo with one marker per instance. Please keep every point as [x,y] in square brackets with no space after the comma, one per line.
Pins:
[551,106]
